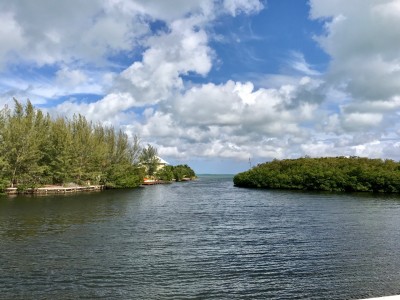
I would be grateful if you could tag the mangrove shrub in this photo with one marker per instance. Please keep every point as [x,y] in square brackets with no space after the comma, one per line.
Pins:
[342,174]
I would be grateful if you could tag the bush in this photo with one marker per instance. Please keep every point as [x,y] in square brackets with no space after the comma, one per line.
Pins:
[352,174]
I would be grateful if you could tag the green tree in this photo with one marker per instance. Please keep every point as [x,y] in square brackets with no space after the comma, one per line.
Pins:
[24,134]
[182,172]
[352,174]
[122,167]
[166,173]
[149,159]
[35,149]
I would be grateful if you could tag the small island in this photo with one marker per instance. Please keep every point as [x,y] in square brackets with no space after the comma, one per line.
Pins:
[334,174]
[40,154]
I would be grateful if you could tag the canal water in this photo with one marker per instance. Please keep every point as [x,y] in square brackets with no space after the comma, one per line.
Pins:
[204,239]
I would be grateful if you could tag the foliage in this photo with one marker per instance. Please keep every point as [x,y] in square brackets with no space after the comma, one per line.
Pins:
[149,159]
[37,150]
[23,138]
[354,174]
[166,173]
[4,183]
[179,173]
[183,172]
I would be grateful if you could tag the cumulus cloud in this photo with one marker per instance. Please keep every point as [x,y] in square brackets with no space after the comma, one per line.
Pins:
[169,56]
[70,78]
[306,114]
[11,43]
[231,120]
[351,109]
[48,32]
[362,81]
[171,10]
[239,104]
[109,110]
[363,44]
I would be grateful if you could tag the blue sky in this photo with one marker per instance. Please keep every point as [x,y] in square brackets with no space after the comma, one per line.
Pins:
[212,83]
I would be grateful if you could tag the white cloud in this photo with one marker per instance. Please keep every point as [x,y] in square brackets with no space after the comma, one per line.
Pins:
[360,121]
[352,109]
[169,56]
[172,9]
[109,110]
[235,7]
[236,104]
[231,120]
[299,63]
[10,43]
[70,78]
[362,40]
[48,32]
[362,82]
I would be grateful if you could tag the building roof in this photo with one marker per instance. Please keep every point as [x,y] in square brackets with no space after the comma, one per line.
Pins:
[162,162]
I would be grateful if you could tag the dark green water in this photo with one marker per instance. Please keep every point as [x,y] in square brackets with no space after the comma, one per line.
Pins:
[199,240]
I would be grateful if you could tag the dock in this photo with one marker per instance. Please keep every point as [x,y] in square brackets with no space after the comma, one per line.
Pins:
[154,182]
[55,190]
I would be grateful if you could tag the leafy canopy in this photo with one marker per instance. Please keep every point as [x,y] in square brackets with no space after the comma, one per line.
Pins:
[37,150]
[353,174]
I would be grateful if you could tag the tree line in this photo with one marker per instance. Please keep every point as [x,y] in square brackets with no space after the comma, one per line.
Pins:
[177,173]
[149,158]
[36,149]
[341,174]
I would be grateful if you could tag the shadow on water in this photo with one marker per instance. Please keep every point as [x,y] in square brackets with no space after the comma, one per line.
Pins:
[26,216]
[335,195]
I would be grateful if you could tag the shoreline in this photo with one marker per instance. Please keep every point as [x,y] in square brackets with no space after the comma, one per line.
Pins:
[55,189]
[58,189]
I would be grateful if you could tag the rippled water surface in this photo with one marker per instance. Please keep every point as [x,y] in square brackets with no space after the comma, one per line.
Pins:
[199,240]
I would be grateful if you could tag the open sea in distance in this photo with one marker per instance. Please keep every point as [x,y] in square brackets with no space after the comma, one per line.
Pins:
[204,239]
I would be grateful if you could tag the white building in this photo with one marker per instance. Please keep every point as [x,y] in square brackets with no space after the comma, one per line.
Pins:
[161,163]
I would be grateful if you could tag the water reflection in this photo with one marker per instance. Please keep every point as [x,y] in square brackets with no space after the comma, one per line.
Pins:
[27,216]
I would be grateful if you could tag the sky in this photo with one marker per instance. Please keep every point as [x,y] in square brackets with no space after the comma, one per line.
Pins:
[220,85]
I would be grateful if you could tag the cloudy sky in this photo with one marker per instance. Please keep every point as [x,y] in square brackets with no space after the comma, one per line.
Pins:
[212,83]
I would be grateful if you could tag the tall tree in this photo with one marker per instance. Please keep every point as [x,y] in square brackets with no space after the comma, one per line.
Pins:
[35,149]
[149,158]
[23,135]
[61,152]
[82,148]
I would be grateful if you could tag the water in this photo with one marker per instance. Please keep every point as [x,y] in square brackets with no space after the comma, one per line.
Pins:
[199,240]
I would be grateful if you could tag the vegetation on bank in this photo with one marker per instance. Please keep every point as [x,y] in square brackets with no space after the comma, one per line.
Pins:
[149,159]
[37,150]
[341,174]
[177,173]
